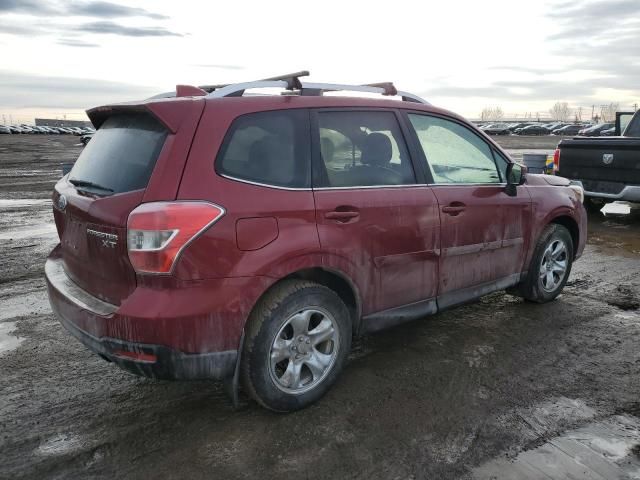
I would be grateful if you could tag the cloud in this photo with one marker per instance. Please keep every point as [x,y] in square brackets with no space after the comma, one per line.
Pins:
[74,42]
[221,67]
[528,70]
[93,8]
[22,90]
[455,91]
[595,43]
[601,36]
[112,28]
[599,10]
[29,7]
[20,30]
[539,89]
[102,9]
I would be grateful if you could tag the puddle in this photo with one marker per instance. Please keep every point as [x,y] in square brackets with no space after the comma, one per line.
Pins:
[23,202]
[43,230]
[603,449]
[476,356]
[60,444]
[8,341]
[617,227]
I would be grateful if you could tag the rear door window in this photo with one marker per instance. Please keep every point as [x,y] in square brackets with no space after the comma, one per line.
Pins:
[121,155]
[269,148]
[361,149]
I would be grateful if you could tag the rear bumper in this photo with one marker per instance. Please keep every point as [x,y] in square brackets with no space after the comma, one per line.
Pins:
[630,193]
[191,332]
[156,361]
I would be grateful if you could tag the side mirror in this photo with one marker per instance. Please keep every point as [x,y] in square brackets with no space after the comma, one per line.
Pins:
[516,175]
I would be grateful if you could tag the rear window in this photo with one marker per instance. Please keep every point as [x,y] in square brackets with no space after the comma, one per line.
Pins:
[633,129]
[122,154]
[270,148]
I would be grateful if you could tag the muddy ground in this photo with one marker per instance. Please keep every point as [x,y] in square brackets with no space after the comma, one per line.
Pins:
[482,391]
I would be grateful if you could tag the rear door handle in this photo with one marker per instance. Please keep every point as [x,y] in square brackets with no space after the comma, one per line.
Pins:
[454,209]
[341,216]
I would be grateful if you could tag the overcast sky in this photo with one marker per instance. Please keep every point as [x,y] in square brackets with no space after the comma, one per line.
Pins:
[61,57]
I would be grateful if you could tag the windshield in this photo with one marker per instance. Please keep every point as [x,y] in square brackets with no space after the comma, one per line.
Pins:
[121,154]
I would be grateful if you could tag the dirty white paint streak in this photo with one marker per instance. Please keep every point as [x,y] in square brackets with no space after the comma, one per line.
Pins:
[8,341]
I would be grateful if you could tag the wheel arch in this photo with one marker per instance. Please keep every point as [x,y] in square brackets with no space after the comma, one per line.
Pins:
[333,279]
[570,224]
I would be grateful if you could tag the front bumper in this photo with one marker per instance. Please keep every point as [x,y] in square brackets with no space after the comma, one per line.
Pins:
[630,193]
[146,337]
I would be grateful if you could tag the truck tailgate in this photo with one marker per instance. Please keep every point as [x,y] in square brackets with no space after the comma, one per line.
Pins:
[606,159]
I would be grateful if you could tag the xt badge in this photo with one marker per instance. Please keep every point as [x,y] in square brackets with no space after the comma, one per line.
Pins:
[109,240]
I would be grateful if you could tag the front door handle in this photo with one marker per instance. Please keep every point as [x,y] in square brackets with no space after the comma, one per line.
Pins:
[341,216]
[454,208]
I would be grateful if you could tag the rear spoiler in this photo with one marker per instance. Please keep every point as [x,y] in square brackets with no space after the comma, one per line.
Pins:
[168,111]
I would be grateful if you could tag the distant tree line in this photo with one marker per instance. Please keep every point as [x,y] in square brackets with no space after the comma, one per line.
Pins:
[561,112]
[491,114]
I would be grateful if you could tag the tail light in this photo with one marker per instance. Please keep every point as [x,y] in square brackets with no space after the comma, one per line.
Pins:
[556,160]
[158,232]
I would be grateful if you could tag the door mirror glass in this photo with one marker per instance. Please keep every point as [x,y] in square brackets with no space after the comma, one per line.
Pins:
[516,174]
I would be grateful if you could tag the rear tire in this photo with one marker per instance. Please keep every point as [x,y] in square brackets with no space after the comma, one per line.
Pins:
[297,342]
[550,266]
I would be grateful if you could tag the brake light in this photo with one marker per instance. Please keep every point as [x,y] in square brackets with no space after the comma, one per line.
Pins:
[556,160]
[158,232]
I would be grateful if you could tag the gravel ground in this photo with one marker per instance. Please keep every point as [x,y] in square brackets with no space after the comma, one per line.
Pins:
[449,396]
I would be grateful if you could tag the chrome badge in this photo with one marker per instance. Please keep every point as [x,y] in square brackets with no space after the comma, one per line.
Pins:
[62,202]
[607,158]
[109,240]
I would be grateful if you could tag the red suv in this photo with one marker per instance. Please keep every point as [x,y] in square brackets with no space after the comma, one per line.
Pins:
[210,233]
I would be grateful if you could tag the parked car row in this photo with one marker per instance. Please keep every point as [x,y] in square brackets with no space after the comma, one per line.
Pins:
[84,139]
[597,130]
[42,130]
[555,128]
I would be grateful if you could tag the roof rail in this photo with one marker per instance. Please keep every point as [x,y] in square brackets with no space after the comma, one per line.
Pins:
[291,82]
[386,88]
[311,88]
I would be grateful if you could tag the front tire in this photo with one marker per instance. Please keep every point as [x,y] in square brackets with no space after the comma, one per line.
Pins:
[297,343]
[550,266]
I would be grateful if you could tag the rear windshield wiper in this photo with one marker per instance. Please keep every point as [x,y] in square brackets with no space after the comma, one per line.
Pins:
[87,183]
